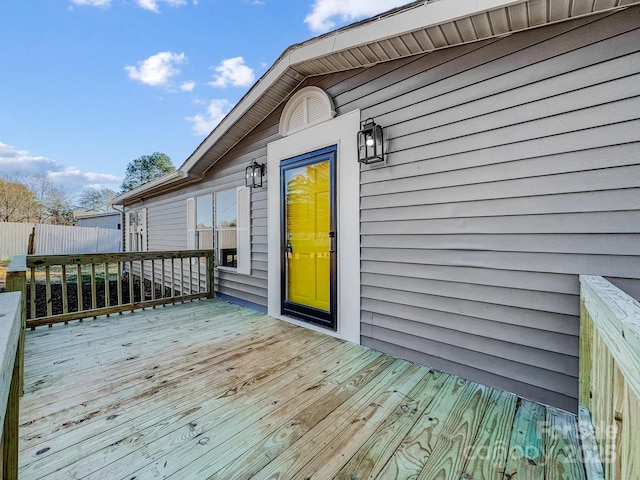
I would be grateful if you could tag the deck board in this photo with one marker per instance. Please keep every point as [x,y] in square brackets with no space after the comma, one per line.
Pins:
[212,390]
[486,459]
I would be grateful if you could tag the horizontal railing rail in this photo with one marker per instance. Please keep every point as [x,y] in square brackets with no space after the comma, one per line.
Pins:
[11,354]
[60,288]
[610,374]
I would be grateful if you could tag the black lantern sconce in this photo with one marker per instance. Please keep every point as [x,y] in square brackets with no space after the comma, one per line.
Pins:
[253,174]
[370,143]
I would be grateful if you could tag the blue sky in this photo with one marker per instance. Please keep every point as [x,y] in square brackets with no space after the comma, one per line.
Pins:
[86,86]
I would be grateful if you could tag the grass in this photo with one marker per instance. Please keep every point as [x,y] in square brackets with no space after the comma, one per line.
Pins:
[55,273]
[3,272]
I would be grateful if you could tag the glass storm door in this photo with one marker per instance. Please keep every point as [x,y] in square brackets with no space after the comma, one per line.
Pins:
[309,237]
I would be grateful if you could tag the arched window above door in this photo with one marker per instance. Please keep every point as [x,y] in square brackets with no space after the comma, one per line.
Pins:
[307,107]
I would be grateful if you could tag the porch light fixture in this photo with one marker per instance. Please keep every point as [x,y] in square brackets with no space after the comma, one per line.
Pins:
[370,143]
[253,174]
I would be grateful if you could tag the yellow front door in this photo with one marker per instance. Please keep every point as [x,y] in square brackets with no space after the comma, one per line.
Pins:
[308,237]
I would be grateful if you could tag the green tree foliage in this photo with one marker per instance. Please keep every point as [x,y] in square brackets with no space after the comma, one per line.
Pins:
[146,168]
[17,203]
[94,200]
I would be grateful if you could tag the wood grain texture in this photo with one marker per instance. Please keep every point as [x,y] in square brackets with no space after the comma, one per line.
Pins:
[211,390]
[16,281]
[564,456]
[610,374]
[526,457]
[486,458]
[590,453]
[11,329]
[381,445]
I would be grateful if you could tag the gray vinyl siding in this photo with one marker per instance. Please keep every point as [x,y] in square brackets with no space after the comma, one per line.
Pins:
[513,167]
[167,214]
[167,224]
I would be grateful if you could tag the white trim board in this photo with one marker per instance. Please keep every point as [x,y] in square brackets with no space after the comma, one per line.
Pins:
[341,131]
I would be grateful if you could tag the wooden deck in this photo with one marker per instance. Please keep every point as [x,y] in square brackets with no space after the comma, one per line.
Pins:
[212,390]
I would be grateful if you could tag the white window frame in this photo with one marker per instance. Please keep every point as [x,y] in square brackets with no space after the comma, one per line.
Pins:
[192,221]
[243,197]
[137,231]
[217,231]
[243,229]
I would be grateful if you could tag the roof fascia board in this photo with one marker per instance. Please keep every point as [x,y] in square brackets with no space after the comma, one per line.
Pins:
[444,11]
[168,178]
[252,96]
[429,14]
[95,215]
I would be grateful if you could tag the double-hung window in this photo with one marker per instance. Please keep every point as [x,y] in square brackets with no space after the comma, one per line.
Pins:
[222,221]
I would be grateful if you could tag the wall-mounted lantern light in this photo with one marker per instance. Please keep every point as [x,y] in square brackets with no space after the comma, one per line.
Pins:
[253,174]
[370,143]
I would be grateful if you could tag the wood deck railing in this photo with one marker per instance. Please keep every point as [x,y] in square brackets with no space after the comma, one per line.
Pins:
[60,288]
[610,375]
[11,354]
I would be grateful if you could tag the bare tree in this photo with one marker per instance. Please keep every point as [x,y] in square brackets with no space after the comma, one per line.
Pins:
[17,203]
[50,200]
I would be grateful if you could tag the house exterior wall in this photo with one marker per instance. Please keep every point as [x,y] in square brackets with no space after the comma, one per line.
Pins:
[512,168]
[103,221]
[167,216]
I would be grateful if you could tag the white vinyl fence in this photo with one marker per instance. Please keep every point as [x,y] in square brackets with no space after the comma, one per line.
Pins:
[57,239]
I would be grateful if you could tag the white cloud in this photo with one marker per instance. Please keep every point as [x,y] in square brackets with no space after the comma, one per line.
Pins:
[92,3]
[153,5]
[157,69]
[12,159]
[204,124]
[325,12]
[234,72]
[16,162]
[188,86]
[71,176]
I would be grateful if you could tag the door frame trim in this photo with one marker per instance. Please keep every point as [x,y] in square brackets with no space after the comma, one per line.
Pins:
[305,312]
[341,131]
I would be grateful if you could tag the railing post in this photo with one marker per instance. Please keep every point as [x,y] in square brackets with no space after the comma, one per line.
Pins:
[17,282]
[10,428]
[585,360]
[31,247]
[610,374]
[211,274]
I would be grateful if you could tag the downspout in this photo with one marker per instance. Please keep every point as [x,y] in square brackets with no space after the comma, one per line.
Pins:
[122,217]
